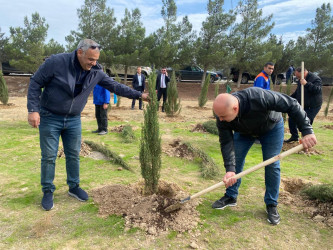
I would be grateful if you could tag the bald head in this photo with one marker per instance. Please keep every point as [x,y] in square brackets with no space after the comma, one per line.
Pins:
[226,107]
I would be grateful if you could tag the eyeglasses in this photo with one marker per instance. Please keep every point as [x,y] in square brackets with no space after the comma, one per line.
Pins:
[95,46]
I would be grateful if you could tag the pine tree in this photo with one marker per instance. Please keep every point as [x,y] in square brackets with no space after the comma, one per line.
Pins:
[204,91]
[3,90]
[172,105]
[150,145]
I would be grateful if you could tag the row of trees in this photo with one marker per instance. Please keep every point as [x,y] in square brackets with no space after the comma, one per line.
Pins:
[222,42]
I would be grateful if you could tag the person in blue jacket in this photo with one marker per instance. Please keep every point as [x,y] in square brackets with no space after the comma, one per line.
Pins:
[67,80]
[101,101]
[262,80]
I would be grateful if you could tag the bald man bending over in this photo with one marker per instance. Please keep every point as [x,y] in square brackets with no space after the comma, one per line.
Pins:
[247,115]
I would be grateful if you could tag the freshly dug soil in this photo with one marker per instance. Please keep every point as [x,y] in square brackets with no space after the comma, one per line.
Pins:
[147,211]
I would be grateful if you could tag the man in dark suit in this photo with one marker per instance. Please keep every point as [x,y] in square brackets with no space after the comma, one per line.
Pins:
[138,84]
[162,81]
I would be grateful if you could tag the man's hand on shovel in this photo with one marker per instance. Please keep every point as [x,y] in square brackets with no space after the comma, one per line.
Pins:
[228,180]
[309,141]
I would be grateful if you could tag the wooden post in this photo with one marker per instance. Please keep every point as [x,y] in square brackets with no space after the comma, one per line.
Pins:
[302,86]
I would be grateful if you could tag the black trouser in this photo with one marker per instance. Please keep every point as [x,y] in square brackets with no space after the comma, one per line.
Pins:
[160,92]
[140,100]
[311,114]
[101,117]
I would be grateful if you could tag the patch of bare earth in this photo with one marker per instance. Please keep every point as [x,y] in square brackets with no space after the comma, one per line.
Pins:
[321,212]
[147,211]
[178,149]
[199,128]
[328,126]
[311,151]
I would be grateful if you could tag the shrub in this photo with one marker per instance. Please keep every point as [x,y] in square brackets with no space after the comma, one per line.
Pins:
[204,91]
[150,145]
[321,192]
[172,105]
[127,134]
[210,127]
[3,90]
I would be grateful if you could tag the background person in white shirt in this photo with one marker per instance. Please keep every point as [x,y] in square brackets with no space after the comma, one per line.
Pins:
[162,81]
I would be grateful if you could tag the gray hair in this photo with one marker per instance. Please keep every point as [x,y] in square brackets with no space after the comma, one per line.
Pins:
[86,44]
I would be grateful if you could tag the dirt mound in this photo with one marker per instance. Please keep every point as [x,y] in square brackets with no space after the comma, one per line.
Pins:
[199,128]
[147,212]
[318,211]
[178,149]
[85,151]
[311,151]
[328,126]
[117,129]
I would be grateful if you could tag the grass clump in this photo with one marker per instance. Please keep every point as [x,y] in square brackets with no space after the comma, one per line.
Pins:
[127,134]
[208,168]
[321,192]
[210,127]
[115,158]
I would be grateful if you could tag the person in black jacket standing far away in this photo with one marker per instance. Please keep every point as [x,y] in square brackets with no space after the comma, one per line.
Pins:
[67,80]
[247,115]
[138,84]
[162,81]
[312,99]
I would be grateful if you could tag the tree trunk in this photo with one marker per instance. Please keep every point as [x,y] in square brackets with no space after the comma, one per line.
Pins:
[240,73]
[125,76]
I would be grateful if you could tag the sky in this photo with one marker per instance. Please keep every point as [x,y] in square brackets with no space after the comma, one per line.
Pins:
[291,17]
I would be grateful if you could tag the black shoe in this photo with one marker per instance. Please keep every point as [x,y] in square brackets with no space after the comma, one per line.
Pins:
[224,202]
[291,139]
[273,216]
[78,193]
[47,201]
[141,108]
[95,131]
[132,108]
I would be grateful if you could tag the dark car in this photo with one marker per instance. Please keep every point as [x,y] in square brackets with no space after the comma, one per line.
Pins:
[8,69]
[246,76]
[194,73]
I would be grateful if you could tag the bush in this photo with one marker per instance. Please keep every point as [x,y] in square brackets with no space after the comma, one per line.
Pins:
[172,105]
[150,145]
[127,134]
[322,192]
[3,90]
[210,127]
[204,91]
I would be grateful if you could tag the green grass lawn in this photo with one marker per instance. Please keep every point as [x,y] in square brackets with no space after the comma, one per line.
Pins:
[75,225]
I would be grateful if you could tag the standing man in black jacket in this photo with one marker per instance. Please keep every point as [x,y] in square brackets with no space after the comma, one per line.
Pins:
[138,84]
[312,99]
[162,81]
[67,80]
[247,115]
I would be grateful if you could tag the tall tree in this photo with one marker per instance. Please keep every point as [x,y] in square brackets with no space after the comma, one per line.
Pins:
[128,45]
[246,36]
[212,39]
[53,47]
[27,47]
[318,55]
[97,22]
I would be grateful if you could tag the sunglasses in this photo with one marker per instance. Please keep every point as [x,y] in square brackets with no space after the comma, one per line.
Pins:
[95,47]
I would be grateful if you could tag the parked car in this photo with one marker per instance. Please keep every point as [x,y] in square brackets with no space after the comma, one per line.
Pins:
[8,69]
[246,76]
[194,73]
[325,79]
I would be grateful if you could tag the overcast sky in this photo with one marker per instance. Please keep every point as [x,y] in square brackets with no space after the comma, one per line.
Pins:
[291,17]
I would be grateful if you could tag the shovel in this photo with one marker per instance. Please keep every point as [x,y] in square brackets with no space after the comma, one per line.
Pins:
[237,176]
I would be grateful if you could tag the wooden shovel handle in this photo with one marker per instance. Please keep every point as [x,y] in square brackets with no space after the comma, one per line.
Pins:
[254,168]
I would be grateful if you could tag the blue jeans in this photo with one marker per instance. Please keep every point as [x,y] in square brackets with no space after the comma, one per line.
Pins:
[51,127]
[271,144]
[310,113]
